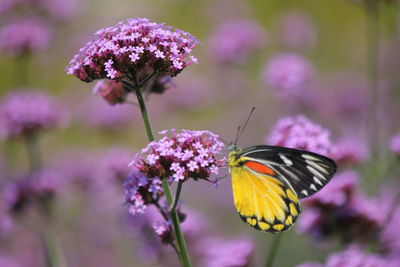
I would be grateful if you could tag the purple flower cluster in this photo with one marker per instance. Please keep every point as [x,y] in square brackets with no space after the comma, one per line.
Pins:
[354,256]
[184,155]
[234,41]
[297,30]
[288,73]
[24,36]
[133,49]
[37,187]
[394,144]
[141,191]
[25,112]
[341,210]
[57,9]
[300,133]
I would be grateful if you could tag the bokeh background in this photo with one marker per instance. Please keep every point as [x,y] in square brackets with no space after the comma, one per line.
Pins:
[331,88]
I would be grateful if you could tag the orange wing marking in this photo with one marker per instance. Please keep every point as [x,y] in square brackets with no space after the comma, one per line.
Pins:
[260,168]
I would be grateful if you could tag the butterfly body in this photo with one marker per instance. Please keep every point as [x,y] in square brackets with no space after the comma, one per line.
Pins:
[268,181]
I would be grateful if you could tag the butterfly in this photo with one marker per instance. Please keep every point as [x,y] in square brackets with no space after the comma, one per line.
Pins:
[269,181]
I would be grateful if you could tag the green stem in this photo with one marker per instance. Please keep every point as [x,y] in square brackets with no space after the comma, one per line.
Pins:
[183,252]
[22,70]
[273,250]
[52,250]
[177,195]
[33,151]
[373,37]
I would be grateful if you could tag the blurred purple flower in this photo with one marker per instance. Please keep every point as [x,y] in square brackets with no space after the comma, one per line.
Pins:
[354,256]
[58,9]
[300,133]
[297,30]
[25,112]
[160,85]
[6,261]
[164,230]
[224,253]
[115,164]
[134,47]
[100,115]
[234,41]
[24,36]
[349,151]
[180,156]
[288,74]
[341,210]
[394,144]
[37,187]
[112,91]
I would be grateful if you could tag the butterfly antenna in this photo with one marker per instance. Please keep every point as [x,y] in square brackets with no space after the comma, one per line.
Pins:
[246,122]
[237,135]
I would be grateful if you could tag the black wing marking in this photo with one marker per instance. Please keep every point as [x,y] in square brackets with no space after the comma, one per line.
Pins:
[304,171]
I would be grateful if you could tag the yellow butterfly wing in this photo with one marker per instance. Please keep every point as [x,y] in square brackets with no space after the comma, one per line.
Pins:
[263,201]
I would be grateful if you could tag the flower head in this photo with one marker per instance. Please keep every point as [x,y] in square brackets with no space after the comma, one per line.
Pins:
[39,186]
[25,112]
[288,73]
[141,191]
[180,156]
[234,41]
[24,36]
[300,133]
[133,47]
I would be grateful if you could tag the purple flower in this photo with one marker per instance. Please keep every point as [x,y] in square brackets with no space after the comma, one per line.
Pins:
[141,191]
[354,256]
[37,187]
[288,74]
[115,164]
[389,237]
[300,133]
[24,36]
[394,144]
[180,156]
[223,253]
[341,210]
[234,41]
[112,91]
[133,49]
[24,112]
[164,230]
[297,30]
[349,151]
[58,9]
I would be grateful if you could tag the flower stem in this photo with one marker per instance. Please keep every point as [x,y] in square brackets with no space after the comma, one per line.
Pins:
[52,250]
[373,37]
[183,252]
[273,250]
[177,195]
[33,151]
